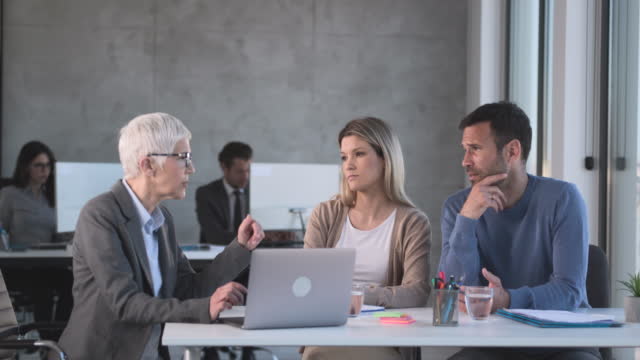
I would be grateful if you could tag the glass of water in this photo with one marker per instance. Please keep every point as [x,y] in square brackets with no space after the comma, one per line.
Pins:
[478,300]
[357,299]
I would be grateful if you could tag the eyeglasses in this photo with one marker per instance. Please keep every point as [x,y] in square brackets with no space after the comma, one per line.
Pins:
[186,156]
[41,166]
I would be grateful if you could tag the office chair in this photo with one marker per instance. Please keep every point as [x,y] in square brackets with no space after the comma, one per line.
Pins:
[5,182]
[195,353]
[598,278]
[598,285]
[11,333]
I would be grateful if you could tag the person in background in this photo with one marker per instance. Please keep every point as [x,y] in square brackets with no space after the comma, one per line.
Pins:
[373,214]
[523,235]
[130,274]
[27,207]
[223,203]
[27,213]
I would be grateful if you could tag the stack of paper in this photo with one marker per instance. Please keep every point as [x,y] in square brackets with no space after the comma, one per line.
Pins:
[557,318]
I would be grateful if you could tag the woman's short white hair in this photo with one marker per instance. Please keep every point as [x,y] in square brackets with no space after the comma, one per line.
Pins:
[149,133]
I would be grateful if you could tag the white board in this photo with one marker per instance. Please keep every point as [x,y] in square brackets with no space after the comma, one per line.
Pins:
[277,188]
[77,183]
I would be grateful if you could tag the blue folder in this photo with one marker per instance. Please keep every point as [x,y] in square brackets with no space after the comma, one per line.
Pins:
[555,324]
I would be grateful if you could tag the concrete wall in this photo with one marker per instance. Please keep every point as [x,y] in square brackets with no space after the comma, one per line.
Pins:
[284,76]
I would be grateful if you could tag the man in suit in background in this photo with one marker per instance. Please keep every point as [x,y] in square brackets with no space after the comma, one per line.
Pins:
[222,204]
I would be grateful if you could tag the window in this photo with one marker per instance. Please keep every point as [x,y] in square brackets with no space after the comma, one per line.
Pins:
[523,69]
[624,139]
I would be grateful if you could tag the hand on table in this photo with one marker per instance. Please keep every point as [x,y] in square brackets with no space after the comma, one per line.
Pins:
[501,297]
[225,297]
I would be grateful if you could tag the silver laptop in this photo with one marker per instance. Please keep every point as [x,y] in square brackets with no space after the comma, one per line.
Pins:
[291,288]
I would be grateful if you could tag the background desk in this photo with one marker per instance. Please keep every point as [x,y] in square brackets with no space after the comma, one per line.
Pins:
[62,258]
[367,331]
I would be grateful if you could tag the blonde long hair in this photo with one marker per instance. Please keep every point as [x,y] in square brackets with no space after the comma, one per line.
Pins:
[387,146]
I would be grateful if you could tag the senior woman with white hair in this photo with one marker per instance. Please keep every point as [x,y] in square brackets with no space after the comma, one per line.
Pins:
[130,275]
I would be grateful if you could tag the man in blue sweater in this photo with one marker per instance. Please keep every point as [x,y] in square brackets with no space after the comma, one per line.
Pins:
[523,235]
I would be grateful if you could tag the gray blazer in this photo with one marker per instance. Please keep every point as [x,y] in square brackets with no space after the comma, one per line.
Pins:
[114,309]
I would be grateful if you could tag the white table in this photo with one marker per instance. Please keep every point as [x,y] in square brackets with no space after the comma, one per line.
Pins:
[367,331]
[54,258]
[205,255]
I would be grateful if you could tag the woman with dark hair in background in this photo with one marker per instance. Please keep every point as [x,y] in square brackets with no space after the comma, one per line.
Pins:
[27,213]
[27,208]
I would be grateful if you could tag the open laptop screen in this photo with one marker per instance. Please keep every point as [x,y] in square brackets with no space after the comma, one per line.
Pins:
[299,288]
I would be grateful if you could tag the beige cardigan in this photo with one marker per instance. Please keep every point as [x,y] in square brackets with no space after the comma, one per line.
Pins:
[407,278]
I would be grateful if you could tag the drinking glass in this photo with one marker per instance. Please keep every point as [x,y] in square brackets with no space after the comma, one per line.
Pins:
[357,299]
[478,300]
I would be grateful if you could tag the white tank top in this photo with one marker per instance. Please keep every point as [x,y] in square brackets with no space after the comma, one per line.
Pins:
[372,250]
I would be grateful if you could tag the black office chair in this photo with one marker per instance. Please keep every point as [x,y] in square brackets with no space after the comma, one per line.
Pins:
[5,182]
[598,285]
[11,333]
[598,278]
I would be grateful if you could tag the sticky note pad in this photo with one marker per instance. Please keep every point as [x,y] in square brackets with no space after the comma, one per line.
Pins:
[397,320]
[389,314]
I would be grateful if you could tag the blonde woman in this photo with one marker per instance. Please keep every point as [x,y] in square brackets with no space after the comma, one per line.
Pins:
[373,214]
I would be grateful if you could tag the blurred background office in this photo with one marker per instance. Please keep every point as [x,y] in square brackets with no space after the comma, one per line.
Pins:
[283,76]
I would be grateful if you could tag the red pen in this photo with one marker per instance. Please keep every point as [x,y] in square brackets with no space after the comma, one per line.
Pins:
[441,283]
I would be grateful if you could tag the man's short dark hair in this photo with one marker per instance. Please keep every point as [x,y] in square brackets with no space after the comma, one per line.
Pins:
[508,122]
[234,150]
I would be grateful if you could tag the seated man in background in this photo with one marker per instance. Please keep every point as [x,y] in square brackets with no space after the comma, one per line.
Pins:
[525,236]
[222,204]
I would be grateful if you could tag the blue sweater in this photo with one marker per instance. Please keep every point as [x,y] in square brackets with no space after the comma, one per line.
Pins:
[538,247]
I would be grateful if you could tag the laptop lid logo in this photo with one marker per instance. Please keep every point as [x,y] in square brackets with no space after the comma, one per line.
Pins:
[301,286]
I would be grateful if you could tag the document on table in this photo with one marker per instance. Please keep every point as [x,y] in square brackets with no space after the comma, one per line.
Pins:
[371,308]
[558,318]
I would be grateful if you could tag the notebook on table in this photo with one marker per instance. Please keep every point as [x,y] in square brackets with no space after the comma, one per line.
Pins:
[557,318]
[291,288]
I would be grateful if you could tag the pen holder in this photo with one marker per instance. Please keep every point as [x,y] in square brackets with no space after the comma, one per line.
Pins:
[445,307]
